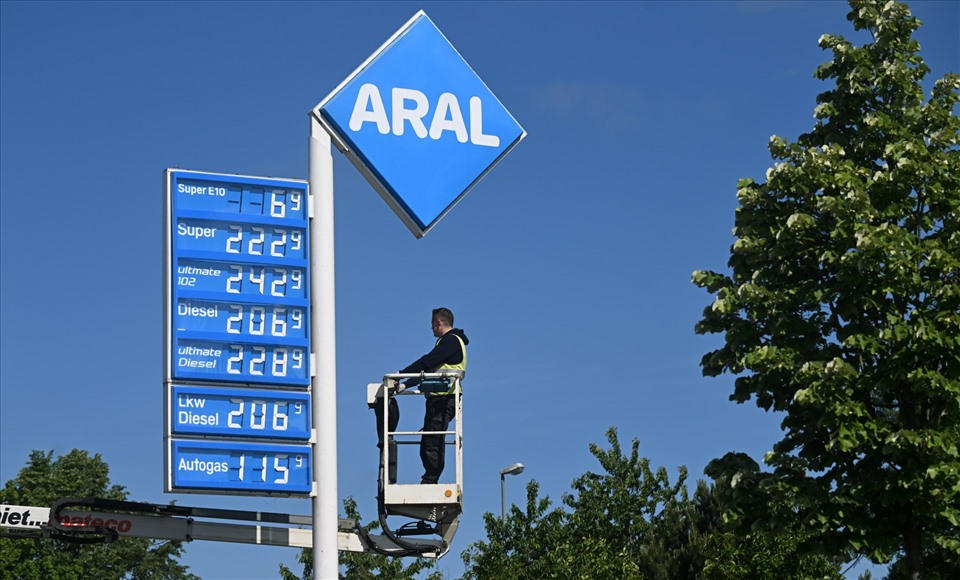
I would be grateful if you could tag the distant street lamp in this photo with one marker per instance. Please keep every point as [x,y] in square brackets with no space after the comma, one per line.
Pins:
[515,469]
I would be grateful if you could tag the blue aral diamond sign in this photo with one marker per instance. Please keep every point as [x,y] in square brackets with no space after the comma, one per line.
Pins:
[419,124]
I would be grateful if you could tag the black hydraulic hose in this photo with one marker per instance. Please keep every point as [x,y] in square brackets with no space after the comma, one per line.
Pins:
[410,548]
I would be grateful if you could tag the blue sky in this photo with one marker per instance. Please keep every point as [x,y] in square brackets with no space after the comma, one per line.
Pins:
[572,257]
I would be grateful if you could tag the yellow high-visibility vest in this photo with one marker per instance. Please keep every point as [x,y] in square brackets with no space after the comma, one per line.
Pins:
[461,366]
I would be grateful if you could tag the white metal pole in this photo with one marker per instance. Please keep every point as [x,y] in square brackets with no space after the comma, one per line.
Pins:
[324,381]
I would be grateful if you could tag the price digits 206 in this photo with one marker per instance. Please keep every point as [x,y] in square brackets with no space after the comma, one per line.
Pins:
[257,414]
[255,321]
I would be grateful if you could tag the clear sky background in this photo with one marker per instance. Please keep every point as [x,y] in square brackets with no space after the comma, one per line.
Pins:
[571,260]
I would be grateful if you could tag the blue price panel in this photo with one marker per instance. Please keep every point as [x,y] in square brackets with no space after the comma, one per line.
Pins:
[235,412]
[239,301]
[257,469]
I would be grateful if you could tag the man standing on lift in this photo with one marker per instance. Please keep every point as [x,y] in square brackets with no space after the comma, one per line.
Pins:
[449,354]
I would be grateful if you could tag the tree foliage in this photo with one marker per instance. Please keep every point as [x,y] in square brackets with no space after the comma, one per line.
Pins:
[618,513]
[842,309]
[45,480]
[525,544]
[631,522]
[366,566]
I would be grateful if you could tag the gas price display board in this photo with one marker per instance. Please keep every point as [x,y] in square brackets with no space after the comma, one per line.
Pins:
[237,337]
[240,295]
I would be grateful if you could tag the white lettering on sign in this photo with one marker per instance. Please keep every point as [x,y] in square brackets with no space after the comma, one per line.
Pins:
[191,350]
[196,464]
[196,364]
[201,190]
[188,418]
[195,232]
[415,116]
[410,106]
[188,351]
[191,189]
[195,271]
[189,309]
[188,401]
[448,117]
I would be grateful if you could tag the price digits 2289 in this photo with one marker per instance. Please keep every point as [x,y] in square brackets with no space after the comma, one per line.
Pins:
[255,360]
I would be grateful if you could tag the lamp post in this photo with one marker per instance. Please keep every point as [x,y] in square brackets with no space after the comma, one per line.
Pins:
[515,469]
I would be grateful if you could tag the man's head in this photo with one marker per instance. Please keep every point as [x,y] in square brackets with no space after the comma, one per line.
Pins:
[441,321]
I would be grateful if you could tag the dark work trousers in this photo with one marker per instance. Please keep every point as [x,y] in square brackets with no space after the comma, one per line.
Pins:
[393,419]
[440,411]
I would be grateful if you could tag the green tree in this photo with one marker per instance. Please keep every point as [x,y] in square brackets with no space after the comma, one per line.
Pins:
[616,514]
[524,545]
[363,565]
[843,306]
[760,554]
[631,522]
[605,532]
[45,480]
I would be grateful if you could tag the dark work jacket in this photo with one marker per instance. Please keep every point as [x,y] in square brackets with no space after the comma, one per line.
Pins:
[447,351]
